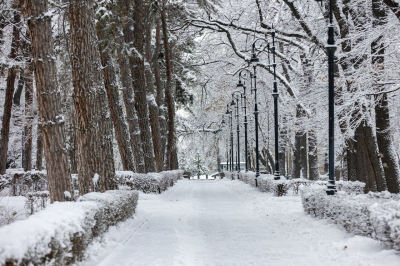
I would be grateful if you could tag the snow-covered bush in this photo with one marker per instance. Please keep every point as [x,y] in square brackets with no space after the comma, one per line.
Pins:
[230,175]
[297,182]
[4,181]
[21,183]
[367,215]
[148,183]
[59,234]
[248,177]
[36,201]
[265,183]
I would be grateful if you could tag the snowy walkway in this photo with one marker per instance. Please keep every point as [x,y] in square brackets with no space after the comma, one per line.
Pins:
[221,222]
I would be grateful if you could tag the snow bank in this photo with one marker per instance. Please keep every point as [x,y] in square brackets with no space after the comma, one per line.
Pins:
[375,215]
[60,233]
[148,183]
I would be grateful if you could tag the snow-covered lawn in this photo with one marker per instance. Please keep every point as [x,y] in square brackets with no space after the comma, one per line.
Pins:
[223,222]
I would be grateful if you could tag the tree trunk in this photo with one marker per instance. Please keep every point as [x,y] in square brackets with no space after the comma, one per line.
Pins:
[48,95]
[172,155]
[153,107]
[114,104]
[373,158]
[93,126]
[20,88]
[387,151]
[137,68]
[296,169]
[282,148]
[128,97]
[28,117]
[160,91]
[312,155]
[10,84]
[39,147]
[303,154]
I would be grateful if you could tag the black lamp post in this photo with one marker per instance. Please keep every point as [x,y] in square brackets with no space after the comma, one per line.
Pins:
[235,96]
[241,85]
[254,60]
[229,112]
[331,48]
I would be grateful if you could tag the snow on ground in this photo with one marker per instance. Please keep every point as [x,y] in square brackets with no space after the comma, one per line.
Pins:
[11,208]
[223,222]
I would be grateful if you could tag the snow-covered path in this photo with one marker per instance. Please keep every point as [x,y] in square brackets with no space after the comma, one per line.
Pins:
[221,222]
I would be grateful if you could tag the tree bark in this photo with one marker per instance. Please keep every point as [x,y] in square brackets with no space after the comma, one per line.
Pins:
[28,116]
[39,148]
[296,169]
[153,107]
[387,151]
[48,95]
[160,99]
[172,154]
[111,85]
[128,97]
[313,155]
[8,103]
[93,126]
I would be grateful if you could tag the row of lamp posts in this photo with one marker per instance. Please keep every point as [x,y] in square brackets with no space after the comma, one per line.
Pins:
[262,45]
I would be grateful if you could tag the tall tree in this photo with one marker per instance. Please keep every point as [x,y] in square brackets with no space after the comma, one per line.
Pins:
[160,99]
[29,115]
[172,153]
[151,99]
[139,85]
[48,96]
[105,31]
[93,125]
[10,84]
[382,117]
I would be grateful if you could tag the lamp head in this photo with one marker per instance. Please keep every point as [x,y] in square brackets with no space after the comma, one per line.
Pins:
[233,102]
[227,112]
[223,121]
[239,85]
[254,59]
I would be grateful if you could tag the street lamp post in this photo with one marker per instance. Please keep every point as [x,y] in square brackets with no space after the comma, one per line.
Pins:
[254,60]
[242,85]
[235,96]
[331,48]
[229,112]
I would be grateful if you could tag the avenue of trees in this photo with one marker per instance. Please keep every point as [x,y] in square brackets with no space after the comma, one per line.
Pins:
[367,86]
[79,78]
[94,86]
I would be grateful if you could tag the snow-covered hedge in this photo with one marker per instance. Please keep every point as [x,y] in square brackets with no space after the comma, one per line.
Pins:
[375,215]
[148,183]
[248,177]
[59,234]
[267,183]
[36,201]
[20,183]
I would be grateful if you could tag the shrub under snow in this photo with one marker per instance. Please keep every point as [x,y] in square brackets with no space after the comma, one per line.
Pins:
[59,234]
[148,183]
[376,215]
[267,183]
